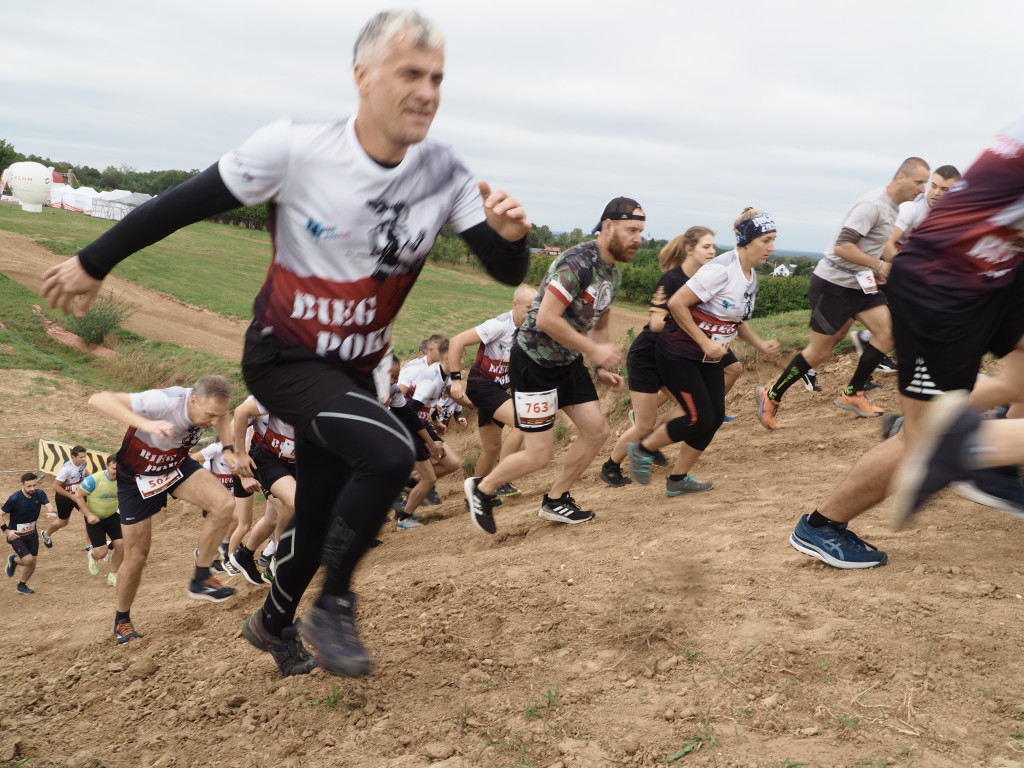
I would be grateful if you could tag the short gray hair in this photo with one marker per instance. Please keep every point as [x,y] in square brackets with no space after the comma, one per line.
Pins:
[212,386]
[385,25]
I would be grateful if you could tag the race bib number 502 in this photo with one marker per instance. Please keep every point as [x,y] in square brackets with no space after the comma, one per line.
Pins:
[151,485]
[536,410]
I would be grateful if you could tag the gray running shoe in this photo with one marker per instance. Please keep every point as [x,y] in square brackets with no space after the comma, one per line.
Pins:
[288,652]
[686,484]
[334,639]
[639,463]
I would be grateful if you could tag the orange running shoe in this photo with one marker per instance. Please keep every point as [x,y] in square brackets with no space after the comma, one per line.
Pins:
[858,403]
[766,408]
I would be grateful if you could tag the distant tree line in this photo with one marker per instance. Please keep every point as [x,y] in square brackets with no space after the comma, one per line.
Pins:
[639,278]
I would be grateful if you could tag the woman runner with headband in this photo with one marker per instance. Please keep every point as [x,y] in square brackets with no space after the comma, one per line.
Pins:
[706,315]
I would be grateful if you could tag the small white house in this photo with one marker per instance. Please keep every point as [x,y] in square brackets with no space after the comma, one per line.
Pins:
[784,270]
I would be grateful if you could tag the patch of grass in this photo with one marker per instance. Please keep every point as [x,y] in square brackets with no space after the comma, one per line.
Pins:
[333,698]
[469,459]
[540,709]
[105,314]
[702,737]
[851,721]
[512,742]
[558,639]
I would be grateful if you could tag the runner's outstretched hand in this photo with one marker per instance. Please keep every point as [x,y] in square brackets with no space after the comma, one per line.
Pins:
[62,283]
[504,214]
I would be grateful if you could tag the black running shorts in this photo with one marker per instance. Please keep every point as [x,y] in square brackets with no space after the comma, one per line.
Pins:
[134,508]
[488,397]
[26,545]
[65,506]
[270,468]
[572,382]
[941,339]
[833,306]
[106,527]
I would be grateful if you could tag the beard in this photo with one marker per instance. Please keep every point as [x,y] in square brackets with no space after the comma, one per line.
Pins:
[619,250]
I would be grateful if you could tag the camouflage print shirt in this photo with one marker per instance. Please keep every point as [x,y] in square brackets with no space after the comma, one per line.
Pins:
[586,285]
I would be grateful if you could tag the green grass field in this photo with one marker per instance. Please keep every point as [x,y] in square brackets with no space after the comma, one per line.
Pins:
[221,268]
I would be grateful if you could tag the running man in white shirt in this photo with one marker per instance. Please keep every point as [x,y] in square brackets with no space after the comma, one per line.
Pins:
[68,478]
[357,206]
[154,463]
[487,384]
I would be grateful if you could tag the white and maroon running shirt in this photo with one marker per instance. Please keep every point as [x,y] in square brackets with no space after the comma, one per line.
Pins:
[70,476]
[278,438]
[151,455]
[973,239]
[350,236]
[428,387]
[726,300]
[492,355]
[256,427]
[219,468]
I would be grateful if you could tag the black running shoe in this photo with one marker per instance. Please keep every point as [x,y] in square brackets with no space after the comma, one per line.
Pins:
[810,381]
[209,589]
[888,365]
[333,638]
[243,561]
[481,506]
[564,510]
[290,655]
[660,459]
[940,455]
[217,566]
[611,473]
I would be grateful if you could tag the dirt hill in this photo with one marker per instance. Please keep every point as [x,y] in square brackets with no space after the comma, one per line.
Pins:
[678,631]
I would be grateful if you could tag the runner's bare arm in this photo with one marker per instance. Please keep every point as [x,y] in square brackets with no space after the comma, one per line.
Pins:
[551,320]
[679,305]
[118,405]
[748,335]
[456,351]
[198,198]
[600,334]
[244,413]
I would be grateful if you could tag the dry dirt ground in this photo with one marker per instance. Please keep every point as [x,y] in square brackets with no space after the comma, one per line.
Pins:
[673,632]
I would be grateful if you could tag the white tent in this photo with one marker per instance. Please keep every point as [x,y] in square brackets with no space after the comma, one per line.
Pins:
[79,200]
[102,203]
[56,195]
[125,205]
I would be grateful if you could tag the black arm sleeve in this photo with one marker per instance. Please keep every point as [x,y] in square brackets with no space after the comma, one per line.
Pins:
[504,261]
[198,198]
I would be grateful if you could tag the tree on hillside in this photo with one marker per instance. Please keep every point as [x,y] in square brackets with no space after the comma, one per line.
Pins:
[8,154]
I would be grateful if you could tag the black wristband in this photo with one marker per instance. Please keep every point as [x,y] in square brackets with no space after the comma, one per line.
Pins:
[227,448]
[455,375]
[3,528]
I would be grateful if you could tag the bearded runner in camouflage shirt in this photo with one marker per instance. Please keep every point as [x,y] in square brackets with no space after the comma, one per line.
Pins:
[567,320]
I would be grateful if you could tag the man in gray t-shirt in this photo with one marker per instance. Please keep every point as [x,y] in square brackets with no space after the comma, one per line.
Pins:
[844,288]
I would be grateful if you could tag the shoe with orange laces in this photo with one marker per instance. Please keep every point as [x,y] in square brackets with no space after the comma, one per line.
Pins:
[125,632]
[858,403]
[766,407]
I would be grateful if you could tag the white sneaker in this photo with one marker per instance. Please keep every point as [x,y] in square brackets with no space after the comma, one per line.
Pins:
[94,567]
[111,579]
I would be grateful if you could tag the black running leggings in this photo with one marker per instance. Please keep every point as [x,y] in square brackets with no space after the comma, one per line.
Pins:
[351,463]
[700,389]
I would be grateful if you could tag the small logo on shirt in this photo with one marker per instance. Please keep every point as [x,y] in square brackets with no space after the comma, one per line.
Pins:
[320,231]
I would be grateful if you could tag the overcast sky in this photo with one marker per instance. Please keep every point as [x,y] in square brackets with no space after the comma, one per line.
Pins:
[695,109]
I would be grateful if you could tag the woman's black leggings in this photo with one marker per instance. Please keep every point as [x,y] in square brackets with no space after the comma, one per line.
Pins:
[700,389]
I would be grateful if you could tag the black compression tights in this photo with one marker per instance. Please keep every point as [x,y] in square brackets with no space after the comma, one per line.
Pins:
[351,463]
